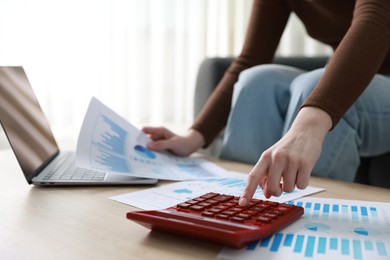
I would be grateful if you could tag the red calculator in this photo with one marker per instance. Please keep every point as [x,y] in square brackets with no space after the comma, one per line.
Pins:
[218,218]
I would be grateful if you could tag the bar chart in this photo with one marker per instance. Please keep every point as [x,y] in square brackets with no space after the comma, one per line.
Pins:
[108,142]
[329,228]
[111,145]
[310,246]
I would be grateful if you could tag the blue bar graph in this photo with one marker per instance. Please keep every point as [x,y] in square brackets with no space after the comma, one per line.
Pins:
[326,208]
[309,246]
[289,239]
[314,235]
[368,245]
[364,211]
[113,162]
[114,140]
[344,212]
[252,246]
[381,249]
[333,244]
[265,241]
[354,210]
[111,146]
[299,244]
[316,213]
[276,243]
[321,245]
[357,249]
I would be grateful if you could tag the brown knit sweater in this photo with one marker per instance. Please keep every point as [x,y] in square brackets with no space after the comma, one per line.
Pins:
[357,30]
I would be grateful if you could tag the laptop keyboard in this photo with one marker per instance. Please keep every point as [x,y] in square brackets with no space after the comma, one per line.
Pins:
[76,174]
[69,172]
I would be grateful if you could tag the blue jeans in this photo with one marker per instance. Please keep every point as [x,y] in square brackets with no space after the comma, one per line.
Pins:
[267,98]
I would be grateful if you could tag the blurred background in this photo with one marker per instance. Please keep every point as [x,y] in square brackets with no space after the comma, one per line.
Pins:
[139,57]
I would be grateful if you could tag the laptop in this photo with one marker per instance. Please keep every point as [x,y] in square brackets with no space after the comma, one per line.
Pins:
[34,145]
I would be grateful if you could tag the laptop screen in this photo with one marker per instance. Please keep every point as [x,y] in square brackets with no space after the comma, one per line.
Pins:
[24,123]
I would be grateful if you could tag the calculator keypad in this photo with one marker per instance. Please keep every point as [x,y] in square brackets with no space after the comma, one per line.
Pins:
[226,207]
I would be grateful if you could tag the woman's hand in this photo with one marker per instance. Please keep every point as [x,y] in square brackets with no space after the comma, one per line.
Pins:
[289,162]
[163,139]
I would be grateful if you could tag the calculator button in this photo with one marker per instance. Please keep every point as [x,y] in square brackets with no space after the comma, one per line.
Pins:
[213,202]
[204,204]
[251,212]
[221,207]
[214,210]
[183,205]
[199,199]
[252,204]
[258,209]
[278,212]
[235,201]
[270,215]
[209,195]
[197,208]
[283,208]
[208,214]
[264,219]
[229,212]
[191,202]
[236,209]
[222,216]
[223,198]
[237,219]
[244,216]
[264,206]
[229,204]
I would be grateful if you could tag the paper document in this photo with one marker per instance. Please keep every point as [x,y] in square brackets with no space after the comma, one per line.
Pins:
[107,142]
[329,229]
[172,194]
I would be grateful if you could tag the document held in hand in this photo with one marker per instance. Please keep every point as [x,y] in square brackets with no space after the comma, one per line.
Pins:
[107,142]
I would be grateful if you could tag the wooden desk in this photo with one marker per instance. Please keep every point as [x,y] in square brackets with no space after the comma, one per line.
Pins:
[82,223]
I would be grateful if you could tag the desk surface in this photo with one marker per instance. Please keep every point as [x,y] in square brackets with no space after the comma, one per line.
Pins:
[82,223]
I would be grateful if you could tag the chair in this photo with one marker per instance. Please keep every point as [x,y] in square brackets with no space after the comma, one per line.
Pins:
[373,171]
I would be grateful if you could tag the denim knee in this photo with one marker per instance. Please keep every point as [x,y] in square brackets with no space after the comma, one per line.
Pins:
[301,87]
[263,80]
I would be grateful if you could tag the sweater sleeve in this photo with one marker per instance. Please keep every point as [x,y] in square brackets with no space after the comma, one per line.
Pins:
[266,25]
[355,61]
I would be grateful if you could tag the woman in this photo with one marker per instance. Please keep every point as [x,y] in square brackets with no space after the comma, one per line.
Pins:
[290,122]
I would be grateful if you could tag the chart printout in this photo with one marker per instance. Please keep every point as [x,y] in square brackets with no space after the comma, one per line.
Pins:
[329,229]
[107,142]
[168,195]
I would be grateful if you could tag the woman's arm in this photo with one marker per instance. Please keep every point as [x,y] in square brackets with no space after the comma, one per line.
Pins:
[266,25]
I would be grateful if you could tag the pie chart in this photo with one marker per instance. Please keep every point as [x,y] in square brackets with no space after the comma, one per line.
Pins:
[144,152]
[366,231]
[317,227]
